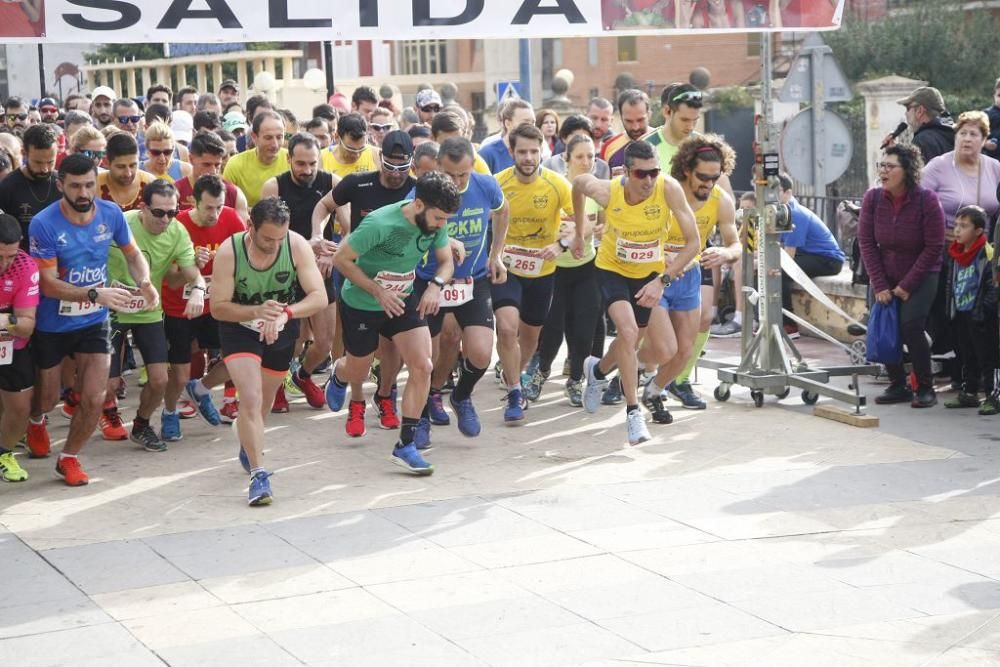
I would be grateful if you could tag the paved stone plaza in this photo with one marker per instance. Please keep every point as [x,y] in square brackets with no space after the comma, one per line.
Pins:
[738,536]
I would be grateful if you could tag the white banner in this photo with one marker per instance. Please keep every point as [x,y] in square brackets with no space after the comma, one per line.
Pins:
[142,21]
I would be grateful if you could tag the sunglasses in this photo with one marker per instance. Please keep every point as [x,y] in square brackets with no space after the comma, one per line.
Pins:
[381,128]
[160,213]
[96,156]
[17,116]
[707,178]
[431,108]
[129,120]
[397,167]
[49,109]
[160,152]
[356,151]
[687,96]
[887,166]
[645,173]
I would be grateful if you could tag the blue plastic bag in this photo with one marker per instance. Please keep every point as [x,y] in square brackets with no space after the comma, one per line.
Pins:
[884,343]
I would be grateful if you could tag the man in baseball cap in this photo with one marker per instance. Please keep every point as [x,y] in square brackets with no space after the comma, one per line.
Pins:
[49,110]
[229,92]
[235,123]
[427,105]
[103,99]
[933,132]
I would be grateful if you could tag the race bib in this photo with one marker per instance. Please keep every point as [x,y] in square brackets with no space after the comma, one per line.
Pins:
[639,252]
[79,308]
[137,303]
[456,293]
[523,261]
[257,325]
[6,350]
[397,283]
[190,287]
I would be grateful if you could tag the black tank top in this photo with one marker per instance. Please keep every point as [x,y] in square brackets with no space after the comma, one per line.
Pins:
[302,200]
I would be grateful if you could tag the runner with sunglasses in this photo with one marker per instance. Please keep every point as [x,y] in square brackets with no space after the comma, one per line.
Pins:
[427,104]
[364,193]
[162,151]
[633,271]
[352,153]
[699,165]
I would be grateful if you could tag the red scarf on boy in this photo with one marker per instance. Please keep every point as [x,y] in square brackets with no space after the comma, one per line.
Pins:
[965,257]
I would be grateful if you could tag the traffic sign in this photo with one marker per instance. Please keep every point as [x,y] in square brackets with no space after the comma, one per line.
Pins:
[508,90]
[797,147]
[799,82]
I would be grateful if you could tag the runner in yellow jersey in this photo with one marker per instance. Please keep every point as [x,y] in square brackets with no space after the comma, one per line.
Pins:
[698,165]
[537,198]
[251,169]
[352,154]
[633,270]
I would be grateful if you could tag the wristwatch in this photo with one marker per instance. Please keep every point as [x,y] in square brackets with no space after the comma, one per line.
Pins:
[666,279]
[92,295]
[564,244]
[438,281]
[203,290]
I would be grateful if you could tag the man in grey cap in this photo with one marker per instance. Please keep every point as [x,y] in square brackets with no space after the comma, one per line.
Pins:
[428,105]
[229,92]
[933,133]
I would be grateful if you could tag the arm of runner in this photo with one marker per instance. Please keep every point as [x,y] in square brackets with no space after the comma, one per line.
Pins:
[586,185]
[242,206]
[196,302]
[684,217]
[344,261]
[730,251]
[309,278]
[269,189]
[500,224]
[430,302]
[138,268]
[223,308]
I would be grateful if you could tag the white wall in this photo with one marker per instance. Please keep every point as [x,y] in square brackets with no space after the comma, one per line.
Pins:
[22,67]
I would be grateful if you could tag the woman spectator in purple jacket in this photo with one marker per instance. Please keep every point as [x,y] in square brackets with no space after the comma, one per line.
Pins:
[901,236]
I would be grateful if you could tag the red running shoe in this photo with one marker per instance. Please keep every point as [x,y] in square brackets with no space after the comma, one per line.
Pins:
[280,406]
[315,397]
[38,440]
[111,426]
[388,419]
[355,425]
[71,471]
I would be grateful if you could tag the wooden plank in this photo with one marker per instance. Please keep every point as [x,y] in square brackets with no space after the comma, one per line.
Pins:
[846,416]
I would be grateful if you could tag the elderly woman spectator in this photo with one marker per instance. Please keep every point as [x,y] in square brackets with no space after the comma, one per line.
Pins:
[901,235]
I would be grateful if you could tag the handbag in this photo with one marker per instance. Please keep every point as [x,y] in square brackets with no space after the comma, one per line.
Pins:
[885,346]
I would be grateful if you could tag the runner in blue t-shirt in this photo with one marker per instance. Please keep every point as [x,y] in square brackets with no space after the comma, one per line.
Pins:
[69,240]
[481,226]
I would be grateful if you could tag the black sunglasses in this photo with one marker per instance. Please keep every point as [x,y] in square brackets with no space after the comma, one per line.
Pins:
[125,120]
[431,108]
[158,152]
[707,178]
[17,116]
[644,173]
[160,213]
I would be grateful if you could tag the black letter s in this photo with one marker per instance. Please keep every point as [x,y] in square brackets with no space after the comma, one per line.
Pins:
[130,15]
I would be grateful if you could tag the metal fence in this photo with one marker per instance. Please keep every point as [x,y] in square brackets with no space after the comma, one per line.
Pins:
[826,209]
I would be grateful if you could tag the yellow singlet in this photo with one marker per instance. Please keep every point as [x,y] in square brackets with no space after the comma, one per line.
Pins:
[365,162]
[536,210]
[706,218]
[634,234]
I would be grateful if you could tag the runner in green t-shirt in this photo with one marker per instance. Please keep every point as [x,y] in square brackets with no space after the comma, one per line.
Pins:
[379,262]
[165,243]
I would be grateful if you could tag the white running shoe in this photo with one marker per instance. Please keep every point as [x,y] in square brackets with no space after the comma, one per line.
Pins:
[635,422]
[594,390]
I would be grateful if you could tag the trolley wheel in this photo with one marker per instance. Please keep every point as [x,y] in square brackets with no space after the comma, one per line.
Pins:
[784,394]
[809,398]
[758,398]
[858,352]
[722,393]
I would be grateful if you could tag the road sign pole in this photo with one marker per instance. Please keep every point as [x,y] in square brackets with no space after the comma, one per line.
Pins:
[524,50]
[816,55]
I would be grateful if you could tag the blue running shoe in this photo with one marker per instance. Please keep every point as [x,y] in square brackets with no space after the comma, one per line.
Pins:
[260,490]
[594,389]
[513,414]
[244,459]
[613,395]
[170,427]
[435,408]
[335,393]
[468,420]
[685,394]
[408,457]
[205,406]
[422,435]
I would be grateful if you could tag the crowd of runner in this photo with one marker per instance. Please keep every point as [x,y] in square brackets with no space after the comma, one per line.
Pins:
[242,250]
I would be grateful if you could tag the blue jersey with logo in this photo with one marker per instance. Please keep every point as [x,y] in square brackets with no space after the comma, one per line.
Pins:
[471,226]
[80,253]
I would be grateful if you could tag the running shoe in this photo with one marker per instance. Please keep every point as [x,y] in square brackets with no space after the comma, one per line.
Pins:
[293,370]
[567,369]
[71,399]
[963,400]
[533,364]
[613,394]
[111,425]
[513,414]
[683,392]
[728,329]
[335,393]
[230,410]
[10,469]
[498,372]
[324,365]
[422,435]
[71,471]
[146,437]
[387,417]
[574,392]
[280,405]
[205,406]
[244,459]
[37,440]
[533,389]
[143,377]
[260,489]
[636,425]
[186,409]
[465,414]
[659,412]
[355,425]
[121,393]
[595,388]
[408,457]
[305,386]
[170,427]
[435,409]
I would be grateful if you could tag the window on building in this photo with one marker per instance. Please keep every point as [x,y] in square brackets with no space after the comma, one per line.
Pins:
[423,56]
[628,49]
